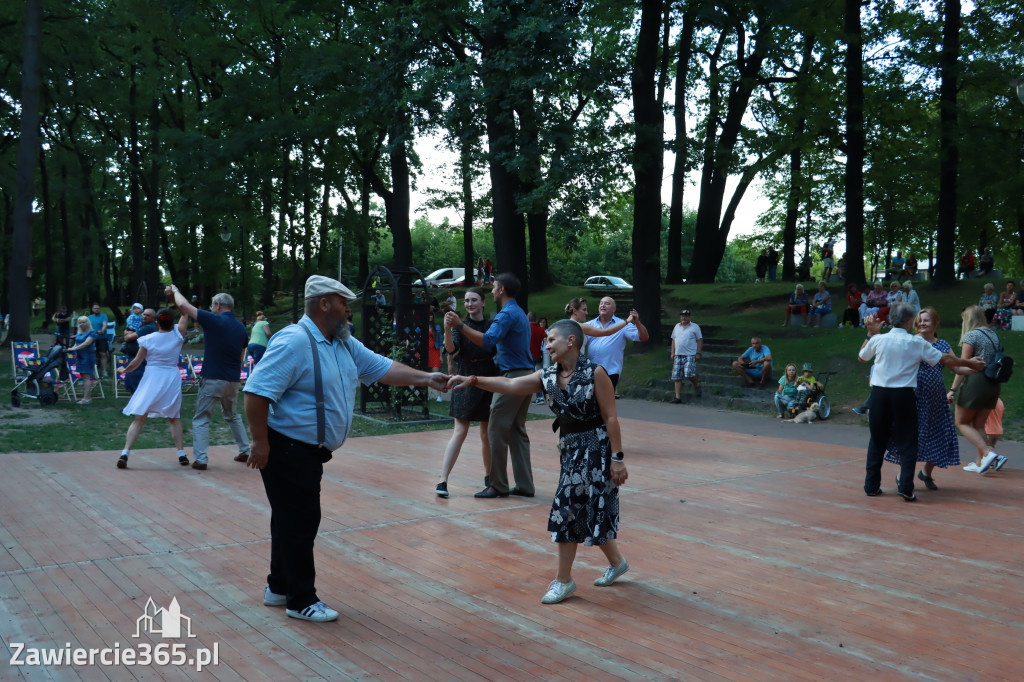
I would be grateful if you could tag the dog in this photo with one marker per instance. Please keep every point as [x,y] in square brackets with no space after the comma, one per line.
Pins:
[807,416]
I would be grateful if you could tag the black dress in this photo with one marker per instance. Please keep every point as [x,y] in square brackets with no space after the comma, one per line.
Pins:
[586,505]
[473,403]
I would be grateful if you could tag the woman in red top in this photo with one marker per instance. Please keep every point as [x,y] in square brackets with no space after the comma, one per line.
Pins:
[851,316]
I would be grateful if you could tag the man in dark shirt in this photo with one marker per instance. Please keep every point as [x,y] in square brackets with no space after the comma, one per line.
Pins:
[224,343]
[131,348]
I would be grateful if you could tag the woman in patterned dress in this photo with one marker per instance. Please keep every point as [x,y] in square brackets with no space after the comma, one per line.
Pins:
[936,435]
[586,506]
[473,404]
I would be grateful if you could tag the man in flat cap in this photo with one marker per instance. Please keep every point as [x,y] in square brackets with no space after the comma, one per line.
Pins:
[299,405]
[224,342]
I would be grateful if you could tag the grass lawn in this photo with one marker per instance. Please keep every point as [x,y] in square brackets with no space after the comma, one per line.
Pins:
[740,311]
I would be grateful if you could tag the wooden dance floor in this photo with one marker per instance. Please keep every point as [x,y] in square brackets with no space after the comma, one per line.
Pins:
[753,557]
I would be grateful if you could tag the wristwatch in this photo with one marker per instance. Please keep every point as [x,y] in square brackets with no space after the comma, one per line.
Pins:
[618,456]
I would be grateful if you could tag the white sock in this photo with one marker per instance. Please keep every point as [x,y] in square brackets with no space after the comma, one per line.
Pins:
[181,453]
[125,452]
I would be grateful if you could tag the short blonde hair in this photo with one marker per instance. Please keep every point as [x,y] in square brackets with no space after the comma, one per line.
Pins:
[88,324]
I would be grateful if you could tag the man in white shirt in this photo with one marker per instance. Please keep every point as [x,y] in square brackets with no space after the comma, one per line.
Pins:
[687,347]
[607,351]
[893,414]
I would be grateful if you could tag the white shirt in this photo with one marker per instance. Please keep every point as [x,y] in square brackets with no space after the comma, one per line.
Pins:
[897,355]
[607,350]
[686,338]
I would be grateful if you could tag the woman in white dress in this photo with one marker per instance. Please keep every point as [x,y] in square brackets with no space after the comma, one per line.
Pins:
[159,392]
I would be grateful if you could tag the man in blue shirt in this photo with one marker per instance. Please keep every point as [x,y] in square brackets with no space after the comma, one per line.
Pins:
[224,344]
[99,322]
[608,351]
[506,430]
[131,346]
[291,441]
[755,365]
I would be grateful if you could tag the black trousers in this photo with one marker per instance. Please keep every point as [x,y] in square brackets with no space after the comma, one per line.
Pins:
[892,417]
[292,482]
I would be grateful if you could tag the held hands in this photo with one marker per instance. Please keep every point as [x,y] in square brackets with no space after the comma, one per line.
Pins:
[451,319]
[619,473]
[458,381]
[633,317]
[873,324]
[439,381]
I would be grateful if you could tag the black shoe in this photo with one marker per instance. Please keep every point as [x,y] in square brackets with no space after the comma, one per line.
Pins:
[442,489]
[875,493]
[676,401]
[929,482]
[183,461]
[520,493]
[122,462]
[489,493]
[907,497]
[699,392]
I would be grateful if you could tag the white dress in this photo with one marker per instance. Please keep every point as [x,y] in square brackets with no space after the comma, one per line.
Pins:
[159,392]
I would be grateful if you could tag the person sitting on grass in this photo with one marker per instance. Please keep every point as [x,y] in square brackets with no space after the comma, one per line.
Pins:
[755,365]
[787,395]
[797,304]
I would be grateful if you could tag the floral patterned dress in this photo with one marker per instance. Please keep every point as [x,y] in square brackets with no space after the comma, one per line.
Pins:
[586,505]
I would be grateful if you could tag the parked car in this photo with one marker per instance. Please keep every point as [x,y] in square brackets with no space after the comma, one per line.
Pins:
[607,282]
[445,277]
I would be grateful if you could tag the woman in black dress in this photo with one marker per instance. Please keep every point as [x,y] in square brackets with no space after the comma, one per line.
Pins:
[473,404]
[586,505]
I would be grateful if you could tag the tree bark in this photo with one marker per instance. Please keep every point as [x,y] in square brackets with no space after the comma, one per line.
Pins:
[949,149]
[466,172]
[28,148]
[792,209]
[647,171]
[854,145]
[674,257]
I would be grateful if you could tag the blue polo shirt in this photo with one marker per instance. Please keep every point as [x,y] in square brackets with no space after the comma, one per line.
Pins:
[510,334]
[224,339]
[285,376]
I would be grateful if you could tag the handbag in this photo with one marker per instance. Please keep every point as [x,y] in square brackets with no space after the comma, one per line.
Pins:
[1000,368]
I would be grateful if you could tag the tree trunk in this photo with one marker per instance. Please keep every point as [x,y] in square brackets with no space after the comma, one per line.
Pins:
[50,297]
[949,150]
[854,145]
[792,209]
[398,206]
[138,242]
[65,235]
[647,171]
[466,172]
[28,147]
[266,241]
[674,271]
[154,223]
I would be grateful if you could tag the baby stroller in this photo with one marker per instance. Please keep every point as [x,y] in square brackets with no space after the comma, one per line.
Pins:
[814,396]
[38,385]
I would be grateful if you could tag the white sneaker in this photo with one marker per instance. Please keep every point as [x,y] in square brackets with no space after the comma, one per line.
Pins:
[558,591]
[972,467]
[318,613]
[987,461]
[612,573]
[272,599]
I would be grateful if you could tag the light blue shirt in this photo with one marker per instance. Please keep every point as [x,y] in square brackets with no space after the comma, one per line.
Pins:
[510,333]
[285,376]
[607,350]
[754,356]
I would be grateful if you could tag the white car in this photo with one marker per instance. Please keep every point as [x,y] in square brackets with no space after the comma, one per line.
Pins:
[607,282]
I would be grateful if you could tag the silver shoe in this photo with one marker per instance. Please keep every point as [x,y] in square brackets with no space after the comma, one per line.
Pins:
[558,591]
[612,573]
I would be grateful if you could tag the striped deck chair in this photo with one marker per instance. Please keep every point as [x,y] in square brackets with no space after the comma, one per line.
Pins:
[197,366]
[246,370]
[120,363]
[188,377]
[21,352]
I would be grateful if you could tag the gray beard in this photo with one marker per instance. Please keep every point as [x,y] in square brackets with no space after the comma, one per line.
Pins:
[342,332]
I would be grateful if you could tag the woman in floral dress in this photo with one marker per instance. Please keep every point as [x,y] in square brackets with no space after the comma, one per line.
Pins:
[586,506]
[936,434]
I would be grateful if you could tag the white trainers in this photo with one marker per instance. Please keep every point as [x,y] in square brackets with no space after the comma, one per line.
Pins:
[558,591]
[987,461]
[318,613]
[272,599]
[612,573]
[972,467]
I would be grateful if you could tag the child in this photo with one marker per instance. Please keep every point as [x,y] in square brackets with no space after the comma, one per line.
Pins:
[994,424]
[806,380]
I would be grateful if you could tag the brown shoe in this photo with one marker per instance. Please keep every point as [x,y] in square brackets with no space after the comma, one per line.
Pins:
[199,465]
[242,457]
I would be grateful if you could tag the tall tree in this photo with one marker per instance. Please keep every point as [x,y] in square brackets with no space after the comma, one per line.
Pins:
[28,150]
[854,144]
[949,145]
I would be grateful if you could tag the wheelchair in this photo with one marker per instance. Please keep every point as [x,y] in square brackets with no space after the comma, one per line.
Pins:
[814,397]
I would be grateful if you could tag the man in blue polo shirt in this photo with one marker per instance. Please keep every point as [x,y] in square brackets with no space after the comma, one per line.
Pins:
[506,430]
[224,343]
[755,365]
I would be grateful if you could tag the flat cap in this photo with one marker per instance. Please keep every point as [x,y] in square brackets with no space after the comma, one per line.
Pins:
[684,311]
[318,285]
